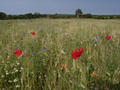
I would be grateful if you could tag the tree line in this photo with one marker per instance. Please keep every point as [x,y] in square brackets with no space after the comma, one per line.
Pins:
[78,14]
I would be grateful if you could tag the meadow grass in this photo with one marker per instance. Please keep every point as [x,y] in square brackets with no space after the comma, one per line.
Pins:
[39,66]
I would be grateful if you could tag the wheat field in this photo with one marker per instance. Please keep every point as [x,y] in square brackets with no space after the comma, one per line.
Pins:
[46,62]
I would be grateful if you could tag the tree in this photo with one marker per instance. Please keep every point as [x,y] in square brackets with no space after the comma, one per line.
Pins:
[36,15]
[3,16]
[88,15]
[78,12]
[28,16]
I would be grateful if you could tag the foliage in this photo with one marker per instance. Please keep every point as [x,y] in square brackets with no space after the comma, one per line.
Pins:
[2,15]
[78,12]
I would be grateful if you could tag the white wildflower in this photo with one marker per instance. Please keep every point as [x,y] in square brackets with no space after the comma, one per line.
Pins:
[16,70]
[12,72]
[18,63]
[2,76]
[15,80]
[21,68]
[7,73]
[11,65]
[17,86]
[62,52]
[10,81]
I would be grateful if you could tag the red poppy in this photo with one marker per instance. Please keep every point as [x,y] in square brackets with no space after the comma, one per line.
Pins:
[94,74]
[76,53]
[33,33]
[9,22]
[108,37]
[17,52]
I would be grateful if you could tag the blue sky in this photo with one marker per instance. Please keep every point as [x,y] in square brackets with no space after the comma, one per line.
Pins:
[60,6]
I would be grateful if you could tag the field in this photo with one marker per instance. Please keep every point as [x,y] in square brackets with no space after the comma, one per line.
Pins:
[46,62]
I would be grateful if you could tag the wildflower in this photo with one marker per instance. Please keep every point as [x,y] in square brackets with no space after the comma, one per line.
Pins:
[7,73]
[16,70]
[12,72]
[6,53]
[15,80]
[21,68]
[25,47]
[9,22]
[17,86]
[70,78]
[33,53]
[62,52]
[42,54]
[2,76]
[41,30]
[95,42]
[94,74]
[18,52]
[24,33]
[22,56]
[16,48]
[33,33]
[63,66]
[18,64]
[76,53]
[108,37]
[10,81]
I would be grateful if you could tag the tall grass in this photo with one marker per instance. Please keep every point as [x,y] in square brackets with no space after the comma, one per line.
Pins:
[39,66]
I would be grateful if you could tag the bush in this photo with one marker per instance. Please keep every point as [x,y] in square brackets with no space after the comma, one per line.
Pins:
[2,15]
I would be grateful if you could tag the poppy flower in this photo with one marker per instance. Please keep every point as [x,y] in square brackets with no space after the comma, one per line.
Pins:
[9,22]
[17,52]
[94,74]
[108,37]
[76,53]
[63,66]
[33,33]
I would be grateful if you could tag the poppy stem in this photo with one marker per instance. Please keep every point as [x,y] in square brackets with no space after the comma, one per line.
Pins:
[74,65]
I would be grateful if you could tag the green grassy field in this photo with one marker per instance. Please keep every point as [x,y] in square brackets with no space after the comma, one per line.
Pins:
[39,66]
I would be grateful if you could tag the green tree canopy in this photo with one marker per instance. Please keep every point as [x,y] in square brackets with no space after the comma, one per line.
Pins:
[78,12]
[3,16]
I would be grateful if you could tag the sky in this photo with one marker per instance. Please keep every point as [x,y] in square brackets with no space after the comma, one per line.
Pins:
[96,7]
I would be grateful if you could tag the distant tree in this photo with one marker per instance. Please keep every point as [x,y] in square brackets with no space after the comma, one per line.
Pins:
[3,16]
[87,15]
[9,17]
[28,16]
[36,15]
[78,12]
